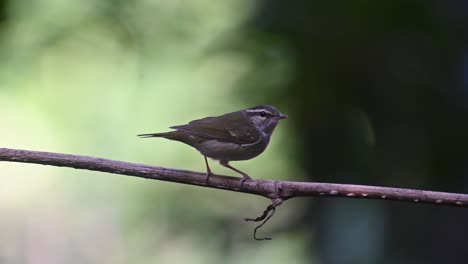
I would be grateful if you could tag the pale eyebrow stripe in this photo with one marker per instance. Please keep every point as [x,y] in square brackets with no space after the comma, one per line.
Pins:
[258,111]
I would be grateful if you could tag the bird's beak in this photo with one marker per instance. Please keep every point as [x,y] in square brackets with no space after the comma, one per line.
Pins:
[282,116]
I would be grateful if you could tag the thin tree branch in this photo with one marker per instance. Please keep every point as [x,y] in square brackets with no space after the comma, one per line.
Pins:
[265,217]
[271,189]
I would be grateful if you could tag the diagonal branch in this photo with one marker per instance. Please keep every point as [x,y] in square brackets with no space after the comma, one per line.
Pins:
[270,189]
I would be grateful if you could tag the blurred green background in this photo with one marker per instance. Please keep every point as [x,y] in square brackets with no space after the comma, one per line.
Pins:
[376,93]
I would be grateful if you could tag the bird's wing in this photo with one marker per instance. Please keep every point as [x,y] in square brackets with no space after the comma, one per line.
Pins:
[232,127]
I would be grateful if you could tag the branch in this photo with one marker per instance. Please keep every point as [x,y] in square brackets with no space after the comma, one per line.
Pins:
[274,190]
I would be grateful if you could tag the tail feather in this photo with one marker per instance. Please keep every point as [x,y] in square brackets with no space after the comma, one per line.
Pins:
[172,135]
[152,135]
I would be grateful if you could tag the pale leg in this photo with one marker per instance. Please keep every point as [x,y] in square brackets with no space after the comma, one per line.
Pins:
[208,170]
[245,175]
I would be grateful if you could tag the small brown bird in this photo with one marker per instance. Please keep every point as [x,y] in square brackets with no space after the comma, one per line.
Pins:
[240,135]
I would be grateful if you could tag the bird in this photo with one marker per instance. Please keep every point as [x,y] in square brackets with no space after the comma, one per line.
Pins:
[236,136]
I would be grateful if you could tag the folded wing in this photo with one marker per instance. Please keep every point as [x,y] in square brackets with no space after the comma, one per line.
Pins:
[233,127]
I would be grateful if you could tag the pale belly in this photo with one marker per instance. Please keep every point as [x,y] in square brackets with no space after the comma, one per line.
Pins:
[230,151]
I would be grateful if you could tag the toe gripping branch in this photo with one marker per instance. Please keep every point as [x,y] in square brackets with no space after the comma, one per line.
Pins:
[269,211]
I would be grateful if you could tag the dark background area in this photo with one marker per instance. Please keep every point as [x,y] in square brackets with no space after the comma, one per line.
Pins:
[400,66]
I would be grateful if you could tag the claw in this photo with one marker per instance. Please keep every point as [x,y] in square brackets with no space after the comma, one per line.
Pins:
[246,177]
[207,176]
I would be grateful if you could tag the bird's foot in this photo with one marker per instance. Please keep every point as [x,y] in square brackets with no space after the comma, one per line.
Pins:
[207,176]
[244,178]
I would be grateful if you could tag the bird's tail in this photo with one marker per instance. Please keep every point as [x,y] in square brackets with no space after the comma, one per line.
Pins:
[154,135]
[172,135]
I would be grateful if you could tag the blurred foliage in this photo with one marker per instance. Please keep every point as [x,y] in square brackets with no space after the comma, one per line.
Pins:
[85,77]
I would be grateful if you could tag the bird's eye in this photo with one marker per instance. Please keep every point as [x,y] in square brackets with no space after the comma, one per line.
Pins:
[262,114]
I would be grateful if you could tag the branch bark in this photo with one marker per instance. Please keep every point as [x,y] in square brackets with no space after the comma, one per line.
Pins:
[282,190]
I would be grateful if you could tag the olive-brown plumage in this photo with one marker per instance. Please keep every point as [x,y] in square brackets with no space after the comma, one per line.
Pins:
[240,135]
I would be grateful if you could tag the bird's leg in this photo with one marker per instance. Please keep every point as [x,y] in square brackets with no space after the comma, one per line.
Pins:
[245,175]
[208,170]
